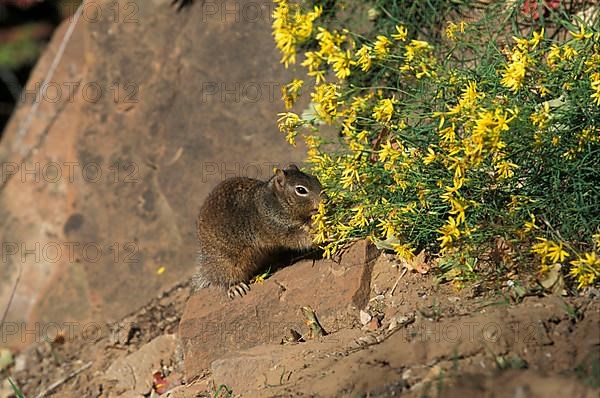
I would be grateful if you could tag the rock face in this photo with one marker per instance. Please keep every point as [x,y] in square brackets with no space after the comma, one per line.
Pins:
[251,371]
[211,328]
[147,110]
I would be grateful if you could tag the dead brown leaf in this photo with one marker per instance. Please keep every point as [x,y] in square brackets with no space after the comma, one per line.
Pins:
[418,263]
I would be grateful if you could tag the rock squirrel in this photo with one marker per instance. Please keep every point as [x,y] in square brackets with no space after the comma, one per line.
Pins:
[245,221]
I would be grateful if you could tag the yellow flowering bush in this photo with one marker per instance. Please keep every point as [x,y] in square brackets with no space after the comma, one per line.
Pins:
[447,153]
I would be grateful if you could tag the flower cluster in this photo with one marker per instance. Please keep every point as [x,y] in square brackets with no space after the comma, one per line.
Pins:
[291,28]
[447,156]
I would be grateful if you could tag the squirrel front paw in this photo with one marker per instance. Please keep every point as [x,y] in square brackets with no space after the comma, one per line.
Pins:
[238,290]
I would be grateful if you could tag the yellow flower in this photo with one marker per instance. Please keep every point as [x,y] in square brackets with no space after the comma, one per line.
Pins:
[568,53]
[586,136]
[424,71]
[290,92]
[458,209]
[581,34]
[350,175]
[312,145]
[536,39]
[524,44]
[430,158]
[383,111]
[355,146]
[289,123]
[514,72]
[387,228]
[592,62]
[470,93]
[313,60]
[319,224]
[521,42]
[325,98]
[541,118]
[402,33]
[363,136]
[389,153]
[505,169]
[595,79]
[448,135]
[409,208]
[540,248]
[452,28]
[291,28]
[586,269]
[451,191]
[360,102]
[341,62]
[543,90]
[449,232]
[549,250]
[319,76]
[468,100]
[364,58]
[404,251]
[359,218]
[381,46]
[326,42]
[530,225]
[414,48]
[553,55]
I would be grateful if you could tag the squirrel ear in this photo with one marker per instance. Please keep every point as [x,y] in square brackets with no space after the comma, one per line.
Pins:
[279,178]
[292,166]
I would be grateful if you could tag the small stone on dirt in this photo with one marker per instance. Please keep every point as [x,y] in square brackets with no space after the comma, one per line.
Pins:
[365,317]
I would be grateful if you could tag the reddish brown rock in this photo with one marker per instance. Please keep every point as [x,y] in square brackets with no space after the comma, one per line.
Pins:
[147,110]
[133,373]
[197,389]
[249,372]
[213,325]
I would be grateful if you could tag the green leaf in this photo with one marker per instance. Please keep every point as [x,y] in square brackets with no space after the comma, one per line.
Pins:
[16,389]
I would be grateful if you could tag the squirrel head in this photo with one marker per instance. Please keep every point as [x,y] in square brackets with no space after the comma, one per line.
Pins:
[299,193]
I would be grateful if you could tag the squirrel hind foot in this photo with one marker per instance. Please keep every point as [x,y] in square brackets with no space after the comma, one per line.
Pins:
[238,290]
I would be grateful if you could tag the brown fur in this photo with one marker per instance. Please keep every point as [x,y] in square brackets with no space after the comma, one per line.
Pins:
[244,221]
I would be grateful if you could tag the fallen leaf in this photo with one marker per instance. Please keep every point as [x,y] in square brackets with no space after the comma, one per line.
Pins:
[159,383]
[518,292]
[374,324]
[418,263]
[6,359]
[553,281]
[387,244]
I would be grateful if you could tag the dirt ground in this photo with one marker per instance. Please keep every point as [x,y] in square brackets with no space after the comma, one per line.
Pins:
[425,340]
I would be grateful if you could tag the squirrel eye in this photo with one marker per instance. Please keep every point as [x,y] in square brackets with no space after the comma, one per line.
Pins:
[302,191]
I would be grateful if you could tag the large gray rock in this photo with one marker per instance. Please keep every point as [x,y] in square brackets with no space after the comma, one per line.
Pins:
[148,109]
